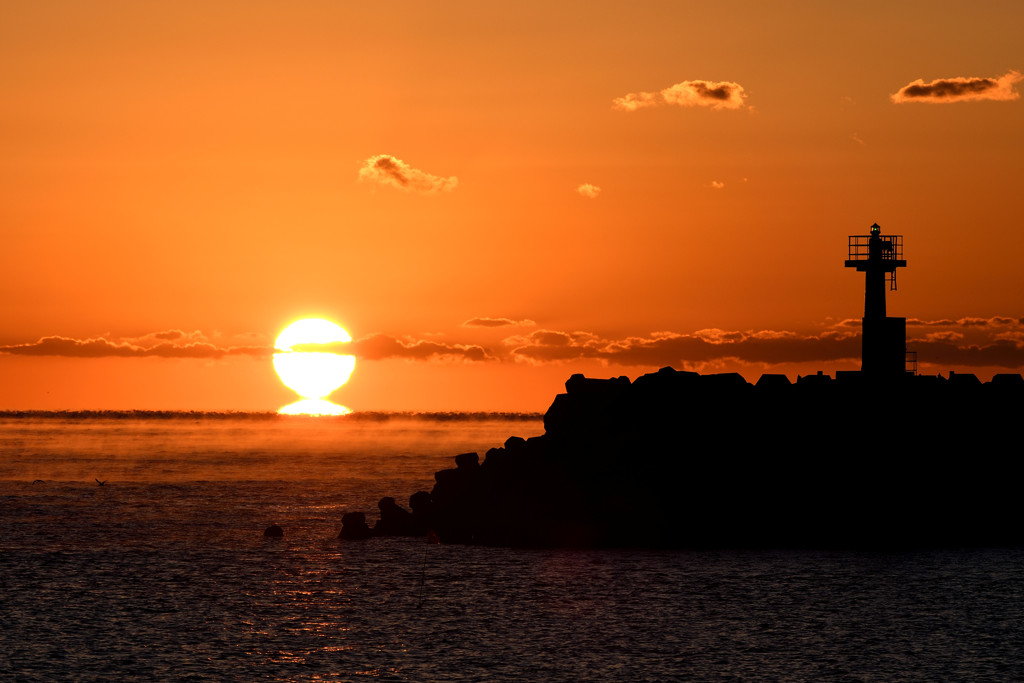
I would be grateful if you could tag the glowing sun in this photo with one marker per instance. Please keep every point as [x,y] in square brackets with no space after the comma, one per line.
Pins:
[309,371]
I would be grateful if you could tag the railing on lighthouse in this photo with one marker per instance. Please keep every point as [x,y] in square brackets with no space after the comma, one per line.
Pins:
[883,339]
[858,253]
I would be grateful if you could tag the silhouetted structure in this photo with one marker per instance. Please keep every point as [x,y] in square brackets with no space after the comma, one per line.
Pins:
[678,459]
[883,339]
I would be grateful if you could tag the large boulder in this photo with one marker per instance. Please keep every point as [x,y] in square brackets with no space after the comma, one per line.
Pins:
[395,520]
[354,527]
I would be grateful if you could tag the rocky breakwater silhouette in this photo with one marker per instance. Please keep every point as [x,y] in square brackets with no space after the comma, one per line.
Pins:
[678,459]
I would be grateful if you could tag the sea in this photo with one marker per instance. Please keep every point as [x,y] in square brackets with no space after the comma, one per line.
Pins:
[132,549]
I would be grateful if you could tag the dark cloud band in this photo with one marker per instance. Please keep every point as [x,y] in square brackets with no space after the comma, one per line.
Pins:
[997,341]
[103,348]
[381,346]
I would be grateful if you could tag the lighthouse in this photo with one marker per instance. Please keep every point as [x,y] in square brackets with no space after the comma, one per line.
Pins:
[883,339]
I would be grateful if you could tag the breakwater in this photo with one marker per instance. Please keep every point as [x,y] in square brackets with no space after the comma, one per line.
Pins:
[679,459]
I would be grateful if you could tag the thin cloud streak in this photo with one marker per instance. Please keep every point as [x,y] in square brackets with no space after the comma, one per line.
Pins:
[960,89]
[370,347]
[388,170]
[498,322]
[589,191]
[993,322]
[382,346]
[105,348]
[669,348]
[713,94]
[379,346]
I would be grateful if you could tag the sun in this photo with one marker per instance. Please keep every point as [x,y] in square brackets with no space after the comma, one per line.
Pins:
[310,372]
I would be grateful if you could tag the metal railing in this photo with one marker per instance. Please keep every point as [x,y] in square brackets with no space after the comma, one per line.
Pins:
[858,247]
[911,362]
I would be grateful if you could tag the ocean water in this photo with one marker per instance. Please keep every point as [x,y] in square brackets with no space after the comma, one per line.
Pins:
[163,573]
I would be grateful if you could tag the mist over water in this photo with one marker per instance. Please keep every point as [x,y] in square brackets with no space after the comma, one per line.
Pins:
[170,447]
[163,573]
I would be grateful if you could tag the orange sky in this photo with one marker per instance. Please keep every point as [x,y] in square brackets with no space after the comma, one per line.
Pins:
[180,181]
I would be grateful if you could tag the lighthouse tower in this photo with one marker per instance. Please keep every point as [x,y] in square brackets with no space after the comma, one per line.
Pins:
[883,339]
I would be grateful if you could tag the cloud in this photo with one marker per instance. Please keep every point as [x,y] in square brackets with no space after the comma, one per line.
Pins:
[714,94]
[1001,353]
[960,89]
[169,335]
[996,342]
[381,346]
[945,336]
[1016,336]
[669,348]
[105,348]
[942,344]
[497,322]
[193,345]
[588,190]
[339,347]
[388,170]
[993,322]
[717,184]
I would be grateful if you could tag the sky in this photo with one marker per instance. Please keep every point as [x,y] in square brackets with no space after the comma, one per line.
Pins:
[490,197]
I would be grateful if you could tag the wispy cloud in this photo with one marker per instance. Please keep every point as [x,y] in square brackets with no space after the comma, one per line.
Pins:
[944,336]
[714,94]
[382,346]
[1001,353]
[671,348]
[717,184]
[176,345]
[993,322]
[960,89]
[996,342]
[193,345]
[497,322]
[588,190]
[388,170]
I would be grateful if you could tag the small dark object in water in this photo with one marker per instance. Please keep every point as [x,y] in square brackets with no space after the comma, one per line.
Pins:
[101,483]
[273,531]
[354,527]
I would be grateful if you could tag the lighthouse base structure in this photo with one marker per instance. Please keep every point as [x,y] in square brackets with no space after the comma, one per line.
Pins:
[884,347]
